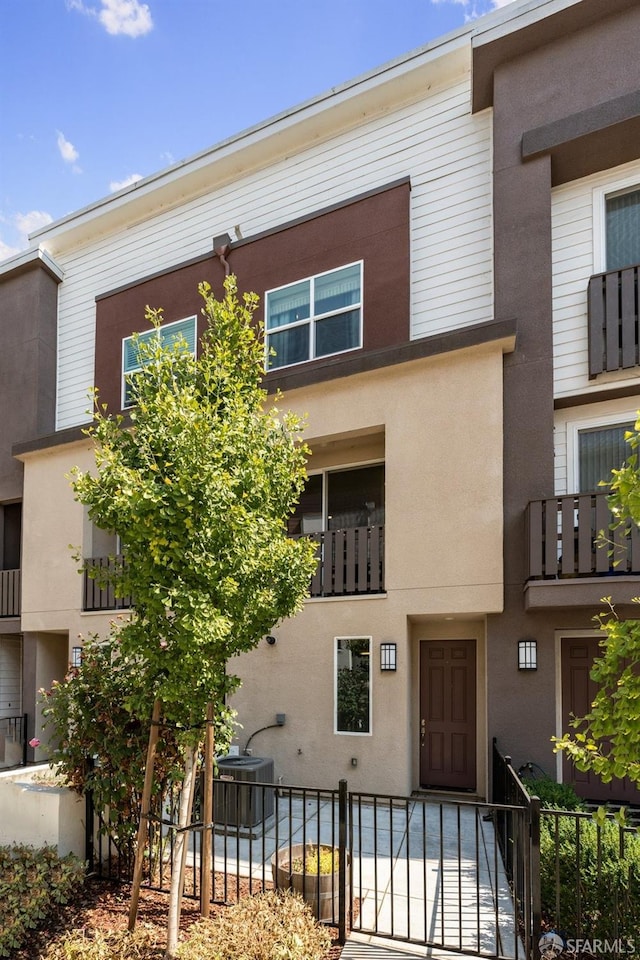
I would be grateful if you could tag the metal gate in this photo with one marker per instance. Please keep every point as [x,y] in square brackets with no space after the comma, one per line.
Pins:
[432,873]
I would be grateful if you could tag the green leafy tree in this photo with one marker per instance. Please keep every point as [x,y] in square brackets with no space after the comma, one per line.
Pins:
[607,739]
[198,487]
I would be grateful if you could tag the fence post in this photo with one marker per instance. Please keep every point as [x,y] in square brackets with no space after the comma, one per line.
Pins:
[342,861]
[536,893]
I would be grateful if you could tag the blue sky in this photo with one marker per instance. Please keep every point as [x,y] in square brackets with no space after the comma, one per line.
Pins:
[97,93]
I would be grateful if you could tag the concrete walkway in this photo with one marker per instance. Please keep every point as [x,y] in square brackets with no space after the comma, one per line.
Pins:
[426,871]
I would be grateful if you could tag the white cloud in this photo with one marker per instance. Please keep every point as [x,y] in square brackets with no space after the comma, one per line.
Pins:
[6,251]
[20,226]
[128,17]
[68,152]
[121,184]
[26,223]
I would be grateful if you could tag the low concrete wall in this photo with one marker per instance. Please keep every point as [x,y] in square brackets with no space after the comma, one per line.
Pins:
[34,811]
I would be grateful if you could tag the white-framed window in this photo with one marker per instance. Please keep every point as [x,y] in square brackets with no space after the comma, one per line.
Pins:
[169,332]
[316,317]
[616,219]
[595,448]
[353,685]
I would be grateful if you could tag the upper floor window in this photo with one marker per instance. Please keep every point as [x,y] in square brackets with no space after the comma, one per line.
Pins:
[601,450]
[339,499]
[622,215]
[316,317]
[11,535]
[169,333]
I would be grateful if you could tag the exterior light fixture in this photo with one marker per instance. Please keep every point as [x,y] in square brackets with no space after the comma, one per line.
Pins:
[76,656]
[388,661]
[527,654]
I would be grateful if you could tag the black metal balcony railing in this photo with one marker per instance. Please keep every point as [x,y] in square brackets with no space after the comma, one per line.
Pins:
[97,593]
[350,562]
[9,593]
[613,321]
[563,537]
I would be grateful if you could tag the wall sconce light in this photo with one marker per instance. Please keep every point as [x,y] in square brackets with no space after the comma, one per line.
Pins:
[388,660]
[527,654]
[76,656]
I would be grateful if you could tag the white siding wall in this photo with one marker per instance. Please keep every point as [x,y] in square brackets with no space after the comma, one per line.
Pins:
[445,151]
[576,249]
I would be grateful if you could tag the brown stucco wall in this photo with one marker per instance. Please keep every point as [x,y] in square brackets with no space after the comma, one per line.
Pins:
[374,229]
[543,85]
[28,314]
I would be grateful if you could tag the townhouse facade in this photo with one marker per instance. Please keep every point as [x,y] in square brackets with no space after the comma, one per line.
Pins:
[444,253]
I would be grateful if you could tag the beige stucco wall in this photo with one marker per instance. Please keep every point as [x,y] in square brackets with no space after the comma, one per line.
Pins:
[441,424]
[55,529]
[437,423]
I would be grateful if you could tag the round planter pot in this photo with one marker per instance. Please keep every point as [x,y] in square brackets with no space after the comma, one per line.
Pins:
[320,891]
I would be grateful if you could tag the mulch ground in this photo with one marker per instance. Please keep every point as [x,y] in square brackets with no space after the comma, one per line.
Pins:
[104,905]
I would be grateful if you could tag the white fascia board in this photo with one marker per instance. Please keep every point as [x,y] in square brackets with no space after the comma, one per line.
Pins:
[517,16]
[31,256]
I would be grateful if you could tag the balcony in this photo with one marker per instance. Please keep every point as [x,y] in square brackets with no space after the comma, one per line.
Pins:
[563,553]
[9,593]
[350,562]
[613,321]
[97,593]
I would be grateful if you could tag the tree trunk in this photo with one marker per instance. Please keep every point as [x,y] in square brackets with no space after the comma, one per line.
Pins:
[145,806]
[180,851]
[207,816]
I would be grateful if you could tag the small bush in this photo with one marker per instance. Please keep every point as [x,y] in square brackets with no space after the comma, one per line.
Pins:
[587,873]
[554,796]
[322,859]
[111,945]
[33,884]
[268,926]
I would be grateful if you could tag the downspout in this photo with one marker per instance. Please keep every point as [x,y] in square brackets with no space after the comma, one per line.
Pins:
[221,249]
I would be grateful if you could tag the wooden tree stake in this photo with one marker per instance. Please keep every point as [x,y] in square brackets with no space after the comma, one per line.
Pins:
[143,827]
[207,815]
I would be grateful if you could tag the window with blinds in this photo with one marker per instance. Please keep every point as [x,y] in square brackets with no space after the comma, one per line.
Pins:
[623,229]
[600,451]
[313,318]
[169,334]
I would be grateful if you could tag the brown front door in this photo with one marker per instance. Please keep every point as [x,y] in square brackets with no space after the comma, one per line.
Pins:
[578,693]
[448,714]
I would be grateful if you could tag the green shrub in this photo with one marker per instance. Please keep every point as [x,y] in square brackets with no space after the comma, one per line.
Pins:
[33,884]
[268,926]
[585,873]
[554,796]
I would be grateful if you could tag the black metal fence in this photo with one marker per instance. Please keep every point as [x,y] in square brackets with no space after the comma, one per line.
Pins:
[408,869]
[583,867]
[590,878]
[478,878]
